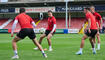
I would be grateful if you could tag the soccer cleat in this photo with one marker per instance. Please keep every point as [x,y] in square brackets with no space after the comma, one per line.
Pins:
[79,53]
[15,57]
[36,48]
[45,56]
[50,49]
[94,52]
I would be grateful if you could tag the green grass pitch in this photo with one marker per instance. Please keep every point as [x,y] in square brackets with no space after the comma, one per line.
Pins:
[64,48]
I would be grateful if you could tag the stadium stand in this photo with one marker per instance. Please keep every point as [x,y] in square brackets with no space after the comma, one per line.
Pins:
[10,25]
[59,13]
[60,23]
[2,21]
[76,23]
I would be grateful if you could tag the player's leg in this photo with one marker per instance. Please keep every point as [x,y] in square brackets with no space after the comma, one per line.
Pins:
[39,47]
[14,46]
[42,36]
[32,36]
[82,44]
[49,41]
[92,44]
[40,40]
[92,38]
[21,35]
[98,38]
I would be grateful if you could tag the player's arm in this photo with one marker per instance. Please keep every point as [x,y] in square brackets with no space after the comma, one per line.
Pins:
[54,27]
[89,24]
[97,25]
[101,22]
[13,27]
[33,23]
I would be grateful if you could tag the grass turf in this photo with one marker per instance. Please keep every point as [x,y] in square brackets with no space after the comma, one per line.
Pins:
[64,48]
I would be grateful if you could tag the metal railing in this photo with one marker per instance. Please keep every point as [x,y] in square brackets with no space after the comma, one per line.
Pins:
[48,0]
[35,0]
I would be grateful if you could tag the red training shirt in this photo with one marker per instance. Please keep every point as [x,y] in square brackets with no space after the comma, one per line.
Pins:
[97,17]
[90,16]
[24,20]
[51,22]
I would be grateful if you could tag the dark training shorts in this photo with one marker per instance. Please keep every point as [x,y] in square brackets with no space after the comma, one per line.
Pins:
[48,31]
[26,32]
[92,34]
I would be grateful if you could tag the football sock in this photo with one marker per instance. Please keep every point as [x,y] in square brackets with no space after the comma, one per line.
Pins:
[15,52]
[81,49]
[50,47]
[98,46]
[93,49]
[42,51]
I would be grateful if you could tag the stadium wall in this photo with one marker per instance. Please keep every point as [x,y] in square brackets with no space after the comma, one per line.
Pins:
[75,10]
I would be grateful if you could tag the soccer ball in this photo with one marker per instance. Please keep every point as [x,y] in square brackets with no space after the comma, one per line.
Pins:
[42,30]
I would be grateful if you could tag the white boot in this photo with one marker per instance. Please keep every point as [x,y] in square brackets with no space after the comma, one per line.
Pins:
[15,57]
[36,48]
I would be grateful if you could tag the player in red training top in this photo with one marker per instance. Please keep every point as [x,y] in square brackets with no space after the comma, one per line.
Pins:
[90,31]
[99,24]
[27,25]
[50,30]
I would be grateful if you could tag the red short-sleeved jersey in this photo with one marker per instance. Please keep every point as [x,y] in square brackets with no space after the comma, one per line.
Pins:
[24,20]
[51,22]
[90,16]
[97,17]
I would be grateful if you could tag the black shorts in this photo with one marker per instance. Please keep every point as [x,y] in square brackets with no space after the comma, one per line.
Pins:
[92,34]
[48,31]
[26,32]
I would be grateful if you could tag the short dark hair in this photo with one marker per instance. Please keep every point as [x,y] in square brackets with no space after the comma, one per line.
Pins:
[49,11]
[22,10]
[87,8]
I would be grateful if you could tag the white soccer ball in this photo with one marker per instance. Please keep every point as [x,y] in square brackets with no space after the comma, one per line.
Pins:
[42,30]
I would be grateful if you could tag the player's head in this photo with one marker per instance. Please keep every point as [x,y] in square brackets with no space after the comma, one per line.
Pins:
[86,9]
[50,14]
[22,10]
[92,8]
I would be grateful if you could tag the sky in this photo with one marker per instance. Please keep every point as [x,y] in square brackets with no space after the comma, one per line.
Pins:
[3,0]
